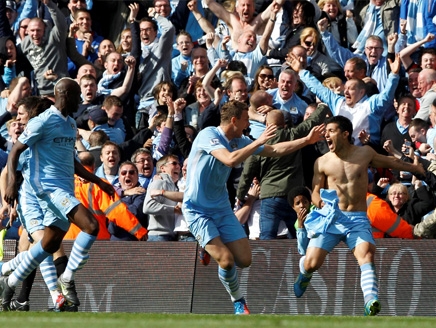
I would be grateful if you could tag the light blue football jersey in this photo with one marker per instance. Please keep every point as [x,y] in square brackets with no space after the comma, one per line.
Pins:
[51,139]
[206,180]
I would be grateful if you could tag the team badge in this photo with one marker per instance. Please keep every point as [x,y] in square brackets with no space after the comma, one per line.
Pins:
[65,202]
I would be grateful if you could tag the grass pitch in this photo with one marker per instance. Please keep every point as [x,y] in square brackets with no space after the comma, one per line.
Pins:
[135,320]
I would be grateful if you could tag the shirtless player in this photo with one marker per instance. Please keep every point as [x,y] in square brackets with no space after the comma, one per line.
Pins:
[342,207]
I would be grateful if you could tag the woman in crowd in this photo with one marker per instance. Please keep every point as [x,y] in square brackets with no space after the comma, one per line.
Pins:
[264,79]
[125,45]
[411,206]
[319,63]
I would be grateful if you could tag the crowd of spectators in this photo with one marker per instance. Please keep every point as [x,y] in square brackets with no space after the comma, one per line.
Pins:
[154,73]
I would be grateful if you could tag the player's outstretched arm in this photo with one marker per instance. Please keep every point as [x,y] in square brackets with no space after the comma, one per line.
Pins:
[236,157]
[85,174]
[382,161]
[287,147]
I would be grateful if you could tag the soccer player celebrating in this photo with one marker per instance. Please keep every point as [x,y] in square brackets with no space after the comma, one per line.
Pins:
[206,205]
[337,191]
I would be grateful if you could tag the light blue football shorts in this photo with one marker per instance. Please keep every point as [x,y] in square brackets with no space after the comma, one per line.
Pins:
[359,233]
[59,202]
[206,227]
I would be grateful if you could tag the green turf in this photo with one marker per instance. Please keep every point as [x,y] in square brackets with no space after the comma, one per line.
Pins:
[130,320]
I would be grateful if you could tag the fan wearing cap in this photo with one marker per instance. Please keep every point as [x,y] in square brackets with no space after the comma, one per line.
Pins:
[11,11]
[98,120]
[15,15]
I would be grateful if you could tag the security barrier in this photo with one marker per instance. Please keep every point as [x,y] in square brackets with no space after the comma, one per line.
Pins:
[167,277]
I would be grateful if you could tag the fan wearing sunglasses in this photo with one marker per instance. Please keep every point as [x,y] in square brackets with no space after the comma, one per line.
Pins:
[132,194]
[320,64]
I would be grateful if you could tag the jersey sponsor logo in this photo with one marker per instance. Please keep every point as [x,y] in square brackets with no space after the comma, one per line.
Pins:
[214,141]
[64,141]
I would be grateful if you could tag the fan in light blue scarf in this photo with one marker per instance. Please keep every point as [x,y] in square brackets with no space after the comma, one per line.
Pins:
[369,28]
[106,80]
[415,20]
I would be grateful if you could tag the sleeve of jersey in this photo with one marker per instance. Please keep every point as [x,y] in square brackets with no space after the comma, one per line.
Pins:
[117,212]
[210,140]
[384,219]
[33,132]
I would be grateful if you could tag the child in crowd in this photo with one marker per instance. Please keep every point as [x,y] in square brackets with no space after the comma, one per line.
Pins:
[300,200]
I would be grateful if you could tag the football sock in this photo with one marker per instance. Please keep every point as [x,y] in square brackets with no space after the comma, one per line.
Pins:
[302,269]
[32,259]
[229,278]
[13,264]
[368,282]
[26,287]
[61,264]
[79,255]
[48,272]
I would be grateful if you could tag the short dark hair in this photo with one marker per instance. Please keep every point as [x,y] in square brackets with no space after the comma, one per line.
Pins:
[298,191]
[97,138]
[150,20]
[233,108]
[78,11]
[344,124]
[359,63]
[419,124]
[112,101]
[34,105]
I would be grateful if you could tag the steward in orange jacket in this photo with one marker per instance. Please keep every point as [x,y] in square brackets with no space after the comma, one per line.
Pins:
[104,208]
[385,221]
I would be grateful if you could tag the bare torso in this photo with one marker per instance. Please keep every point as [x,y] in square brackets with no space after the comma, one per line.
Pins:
[348,176]
[237,27]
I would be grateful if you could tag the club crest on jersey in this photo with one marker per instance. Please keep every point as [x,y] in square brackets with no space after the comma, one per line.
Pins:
[65,202]
[234,145]
[214,141]
[73,126]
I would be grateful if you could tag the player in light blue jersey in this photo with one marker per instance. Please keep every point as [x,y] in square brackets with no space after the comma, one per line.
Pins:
[206,204]
[31,217]
[50,138]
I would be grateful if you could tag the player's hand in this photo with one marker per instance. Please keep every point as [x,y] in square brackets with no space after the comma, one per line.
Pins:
[316,134]
[107,188]
[11,194]
[268,133]
[364,137]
